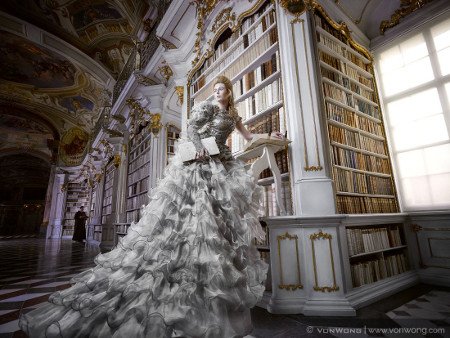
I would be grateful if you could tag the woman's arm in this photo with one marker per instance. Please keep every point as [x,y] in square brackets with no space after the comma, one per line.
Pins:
[248,135]
[244,132]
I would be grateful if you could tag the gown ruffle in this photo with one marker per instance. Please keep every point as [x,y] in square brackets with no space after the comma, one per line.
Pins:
[188,268]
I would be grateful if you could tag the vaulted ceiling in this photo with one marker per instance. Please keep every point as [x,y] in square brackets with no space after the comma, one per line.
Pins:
[60,60]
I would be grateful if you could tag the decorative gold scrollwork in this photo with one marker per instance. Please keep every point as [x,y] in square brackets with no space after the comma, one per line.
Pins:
[318,236]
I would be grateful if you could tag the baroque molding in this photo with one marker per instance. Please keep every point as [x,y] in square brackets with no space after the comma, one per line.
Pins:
[406,8]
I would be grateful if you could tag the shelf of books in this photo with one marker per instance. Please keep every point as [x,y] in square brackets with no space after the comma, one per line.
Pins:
[138,174]
[376,252]
[361,166]
[173,133]
[77,196]
[97,233]
[108,191]
[250,58]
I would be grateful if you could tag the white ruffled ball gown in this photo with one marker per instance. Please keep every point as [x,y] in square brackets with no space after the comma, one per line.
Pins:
[188,268]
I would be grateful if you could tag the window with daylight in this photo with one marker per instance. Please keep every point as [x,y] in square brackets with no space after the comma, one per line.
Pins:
[415,83]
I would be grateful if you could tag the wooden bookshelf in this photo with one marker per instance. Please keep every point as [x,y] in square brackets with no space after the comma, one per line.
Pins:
[108,191]
[77,196]
[361,167]
[138,174]
[376,252]
[250,58]
[97,233]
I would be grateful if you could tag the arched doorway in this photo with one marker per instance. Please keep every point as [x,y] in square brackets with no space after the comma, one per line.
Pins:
[23,181]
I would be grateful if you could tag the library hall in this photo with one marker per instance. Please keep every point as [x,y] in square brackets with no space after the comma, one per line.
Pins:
[225,168]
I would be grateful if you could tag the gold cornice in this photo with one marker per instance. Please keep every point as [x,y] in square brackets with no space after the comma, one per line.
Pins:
[295,7]
[343,29]
[406,8]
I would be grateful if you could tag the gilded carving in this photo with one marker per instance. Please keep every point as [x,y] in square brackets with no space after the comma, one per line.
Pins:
[166,44]
[406,8]
[166,72]
[117,160]
[180,92]
[289,287]
[318,236]
[224,16]
[295,7]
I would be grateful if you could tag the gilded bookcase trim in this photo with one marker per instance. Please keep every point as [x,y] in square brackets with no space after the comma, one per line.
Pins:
[318,236]
[289,287]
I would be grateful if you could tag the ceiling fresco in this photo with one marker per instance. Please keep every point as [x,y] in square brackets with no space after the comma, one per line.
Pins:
[27,63]
[87,24]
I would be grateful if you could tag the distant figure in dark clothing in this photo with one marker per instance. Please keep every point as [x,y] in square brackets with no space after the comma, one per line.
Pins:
[79,233]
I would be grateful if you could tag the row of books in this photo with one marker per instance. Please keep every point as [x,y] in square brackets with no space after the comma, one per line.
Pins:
[261,100]
[356,160]
[137,201]
[256,76]
[138,162]
[378,269]
[342,67]
[345,82]
[233,67]
[365,205]
[270,206]
[137,151]
[372,239]
[107,209]
[139,174]
[221,48]
[356,140]
[350,181]
[97,236]
[69,222]
[340,50]
[67,232]
[107,200]
[370,126]
[122,228]
[133,215]
[138,187]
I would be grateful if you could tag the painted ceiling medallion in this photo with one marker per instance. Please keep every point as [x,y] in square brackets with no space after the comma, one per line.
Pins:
[73,145]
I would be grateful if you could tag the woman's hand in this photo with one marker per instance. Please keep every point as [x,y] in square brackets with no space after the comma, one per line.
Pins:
[277,135]
[202,154]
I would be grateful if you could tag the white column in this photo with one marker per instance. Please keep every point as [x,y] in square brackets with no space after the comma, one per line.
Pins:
[57,210]
[312,186]
[48,203]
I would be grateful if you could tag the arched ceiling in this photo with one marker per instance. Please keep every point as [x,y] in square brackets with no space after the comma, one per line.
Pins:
[104,30]
[60,59]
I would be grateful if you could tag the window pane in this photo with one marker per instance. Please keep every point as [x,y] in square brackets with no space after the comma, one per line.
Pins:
[441,35]
[440,189]
[411,163]
[414,107]
[420,133]
[437,159]
[416,192]
[447,89]
[444,61]
[405,65]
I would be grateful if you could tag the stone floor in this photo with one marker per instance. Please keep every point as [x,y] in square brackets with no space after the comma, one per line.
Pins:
[31,269]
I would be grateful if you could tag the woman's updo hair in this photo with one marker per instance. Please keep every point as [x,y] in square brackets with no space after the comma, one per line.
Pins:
[226,81]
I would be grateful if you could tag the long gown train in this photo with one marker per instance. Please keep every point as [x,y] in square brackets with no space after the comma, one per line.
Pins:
[186,269]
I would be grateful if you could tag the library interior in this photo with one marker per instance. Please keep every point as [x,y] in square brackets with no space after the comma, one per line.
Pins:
[354,198]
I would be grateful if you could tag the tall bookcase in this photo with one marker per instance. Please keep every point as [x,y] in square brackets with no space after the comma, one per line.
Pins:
[108,191]
[361,167]
[249,57]
[77,196]
[173,133]
[138,174]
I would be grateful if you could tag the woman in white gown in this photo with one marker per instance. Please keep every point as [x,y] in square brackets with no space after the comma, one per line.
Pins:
[187,268]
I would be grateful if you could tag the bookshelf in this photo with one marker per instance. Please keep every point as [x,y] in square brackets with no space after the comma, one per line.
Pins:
[249,56]
[173,133]
[108,191]
[376,252]
[359,157]
[97,233]
[138,174]
[77,196]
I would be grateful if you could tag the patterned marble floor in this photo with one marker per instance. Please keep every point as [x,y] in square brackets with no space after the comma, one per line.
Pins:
[31,269]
